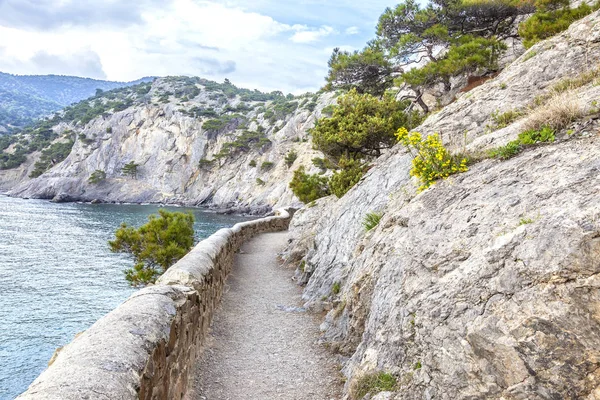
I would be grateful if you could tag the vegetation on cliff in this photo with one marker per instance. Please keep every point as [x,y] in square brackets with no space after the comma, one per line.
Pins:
[42,135]
[552,17]
[155,246]
[359,128]
[432,160]
[25,98]
[224,108]
[417,47]
[309,187]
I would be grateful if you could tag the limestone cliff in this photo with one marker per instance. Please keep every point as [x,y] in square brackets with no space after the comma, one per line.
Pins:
[486,285]
[194,143]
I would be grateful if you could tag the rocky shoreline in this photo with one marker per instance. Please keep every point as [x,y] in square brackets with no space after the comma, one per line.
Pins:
[232,209]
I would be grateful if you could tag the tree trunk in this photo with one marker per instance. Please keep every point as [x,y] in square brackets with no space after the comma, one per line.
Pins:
[421,103]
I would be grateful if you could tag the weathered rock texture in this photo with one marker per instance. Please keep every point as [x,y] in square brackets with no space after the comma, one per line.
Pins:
[168,144]
[485,285]
[146,348]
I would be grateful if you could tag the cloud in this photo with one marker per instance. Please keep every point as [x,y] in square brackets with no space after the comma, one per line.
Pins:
[84,62]
[352,30]
[51,14]
[309,36]
[211,66]
[263,44]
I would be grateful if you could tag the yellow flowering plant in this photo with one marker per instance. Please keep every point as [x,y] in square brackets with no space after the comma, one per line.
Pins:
[432,161]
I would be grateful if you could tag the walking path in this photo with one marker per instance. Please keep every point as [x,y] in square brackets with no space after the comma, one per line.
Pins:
[262,344]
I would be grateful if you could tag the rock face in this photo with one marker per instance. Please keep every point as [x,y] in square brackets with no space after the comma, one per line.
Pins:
[485,285]
[168,143]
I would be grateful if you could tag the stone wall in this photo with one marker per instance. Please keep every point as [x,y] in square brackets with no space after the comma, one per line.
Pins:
[146,347]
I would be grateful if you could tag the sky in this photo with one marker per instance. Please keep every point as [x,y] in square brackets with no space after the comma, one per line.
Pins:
[263,44]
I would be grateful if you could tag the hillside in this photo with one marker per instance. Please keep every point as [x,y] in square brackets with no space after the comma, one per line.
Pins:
[196,142]
[24,98]
[486,284]
[456,259]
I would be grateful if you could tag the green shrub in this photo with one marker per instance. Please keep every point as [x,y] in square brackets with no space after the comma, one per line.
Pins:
[266,165]
[51,156]
[311,106]
[544,24]
[347,176]
[290,157]
[155,246]
[246,141]
[109,129]
[85,140]
[328,110]
[308,187]
[283,108]
[205,163]
[322,163]
[371,220]
[260,182]
[336,288]
[361,125]
[502,120]
[372,384]
[130,169]
[467,54]
[97,177]
[530,137]
[527,138]
[217,124]
[252,163]
[432,161]
[505,152]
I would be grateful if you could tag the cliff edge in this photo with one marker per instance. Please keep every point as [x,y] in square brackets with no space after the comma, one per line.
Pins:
[486,284]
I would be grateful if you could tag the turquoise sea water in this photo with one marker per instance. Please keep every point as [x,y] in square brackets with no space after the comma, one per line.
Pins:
[57,276]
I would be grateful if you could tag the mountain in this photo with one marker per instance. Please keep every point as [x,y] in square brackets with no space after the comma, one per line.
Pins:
[195,141]
[485,285]
[24,98]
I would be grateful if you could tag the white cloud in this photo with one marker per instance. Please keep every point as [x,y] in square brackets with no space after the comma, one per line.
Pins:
[255,45]
[310,36]
[352,30]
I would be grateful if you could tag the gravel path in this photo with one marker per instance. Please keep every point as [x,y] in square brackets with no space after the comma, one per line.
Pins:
[262,345]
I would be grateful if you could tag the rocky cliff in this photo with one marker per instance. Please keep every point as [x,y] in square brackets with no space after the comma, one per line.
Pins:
[196,142]
[486,285]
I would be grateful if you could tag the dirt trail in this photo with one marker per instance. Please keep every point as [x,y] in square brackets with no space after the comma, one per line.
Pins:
[262,344]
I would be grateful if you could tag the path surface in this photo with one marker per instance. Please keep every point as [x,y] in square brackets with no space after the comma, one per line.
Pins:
[262,345]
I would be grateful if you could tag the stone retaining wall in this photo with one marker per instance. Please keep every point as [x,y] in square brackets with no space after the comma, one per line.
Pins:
[146,348]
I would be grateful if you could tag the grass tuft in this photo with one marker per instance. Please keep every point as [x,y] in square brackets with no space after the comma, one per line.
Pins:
[558,112]
[336,288]
[372,384]
[525,221]
[527,138]
[371,220]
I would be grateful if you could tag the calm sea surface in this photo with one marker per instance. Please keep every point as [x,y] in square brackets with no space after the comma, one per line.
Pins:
[57,276]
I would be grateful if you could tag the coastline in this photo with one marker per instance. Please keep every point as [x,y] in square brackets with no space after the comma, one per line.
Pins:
[255,211]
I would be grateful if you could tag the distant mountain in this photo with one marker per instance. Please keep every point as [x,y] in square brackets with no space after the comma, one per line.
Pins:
[24,98]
